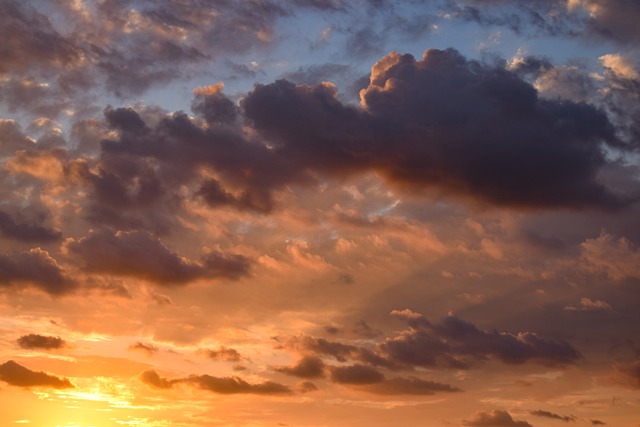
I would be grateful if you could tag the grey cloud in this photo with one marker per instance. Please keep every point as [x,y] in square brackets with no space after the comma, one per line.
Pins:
[140,254]
[411,386]
[35,267]
[30,41]
[32,231]
[445,123]
[13,139]
[552,415]
[341,352]
[614,19]
[318,73]
[628,373]
[307,367]
[220,385]
[306,387]
[36,341]
[17,375]
[597,423]
[148,349]
[152,378]
[224,353]
[495,418]
[455,343]
[356,375]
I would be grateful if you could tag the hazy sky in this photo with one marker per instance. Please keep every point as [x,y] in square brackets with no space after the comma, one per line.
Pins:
[319,213]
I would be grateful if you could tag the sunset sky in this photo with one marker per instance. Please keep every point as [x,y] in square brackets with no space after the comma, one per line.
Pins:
[319,213]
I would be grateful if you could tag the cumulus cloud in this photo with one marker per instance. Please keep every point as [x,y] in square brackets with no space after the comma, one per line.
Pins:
[455,343]
[17,375]
[617,257]
[34,231]
[495,418]
[356,375]
[35,267]
[36,341]
[451,343]
[444,122]
[140,254]
[224,353]
[220,385]
[307,367]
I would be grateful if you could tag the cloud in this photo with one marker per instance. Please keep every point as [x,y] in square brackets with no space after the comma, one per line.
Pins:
[224,353]
[495,418]
[31,42]
[547,414]
[152,378]
[306,387]
[140,254]
[340,351]
[597,423]
[220,385]
[628,373]
[307,367]
[586,304]
[612,19]
[17,375]
[27,231]
[455,343]
[445,123]
[410,386]
[35,341]
[617,257]
[35,267]
[356,375]
[148,349]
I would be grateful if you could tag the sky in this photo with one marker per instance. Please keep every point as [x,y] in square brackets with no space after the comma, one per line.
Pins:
[319,213]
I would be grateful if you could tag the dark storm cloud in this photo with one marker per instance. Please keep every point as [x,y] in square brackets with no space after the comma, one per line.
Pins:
[356,375]
[597,423]
[495,418]
[455,343]
[547,414]
[307,367]
[17,375]
[34,267]
[36,341]
[140,254]
[220,385]
[447,123]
